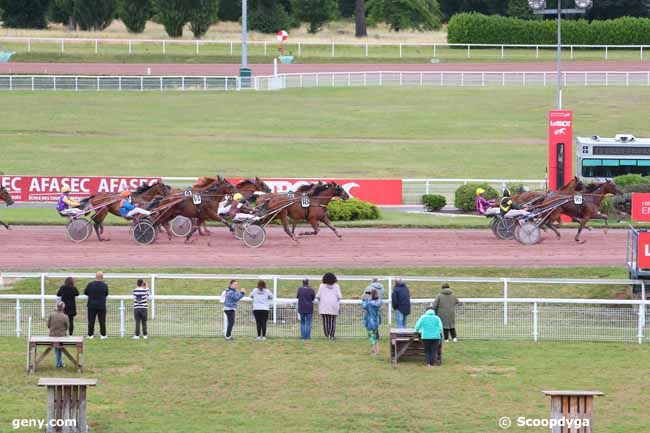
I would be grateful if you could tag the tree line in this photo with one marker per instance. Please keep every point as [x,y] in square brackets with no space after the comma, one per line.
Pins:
[269,16]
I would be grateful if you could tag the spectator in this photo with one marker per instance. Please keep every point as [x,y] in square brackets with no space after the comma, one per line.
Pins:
[261,297]
[306,296]
[329,297]
[140,308]
[445,307]
[372,318]
[68,294]
[377,286]
[57,323]
[401,300]
[97,292]
[430,328]
[230,299]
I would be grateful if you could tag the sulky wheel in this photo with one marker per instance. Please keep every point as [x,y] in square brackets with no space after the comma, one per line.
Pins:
[144,232]
[238,230]
[505,228]
[181,226]
[79,230]
[254,236]
[528,233]
[493,225]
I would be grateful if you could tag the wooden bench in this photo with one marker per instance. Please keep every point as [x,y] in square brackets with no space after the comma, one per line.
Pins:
[405,342]
[63,342]
[572,405]
[66,401]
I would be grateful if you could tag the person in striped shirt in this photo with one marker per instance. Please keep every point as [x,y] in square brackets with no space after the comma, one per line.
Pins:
[140,298]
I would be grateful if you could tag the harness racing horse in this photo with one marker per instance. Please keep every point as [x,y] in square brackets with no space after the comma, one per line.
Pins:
[5,197]
[200,205]
[143,195]
[247,188]
[311,207]
[589,209]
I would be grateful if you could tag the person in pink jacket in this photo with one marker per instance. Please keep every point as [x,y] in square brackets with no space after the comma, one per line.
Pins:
[329,297]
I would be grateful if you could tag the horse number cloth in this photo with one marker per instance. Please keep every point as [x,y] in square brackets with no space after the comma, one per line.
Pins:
[304,201]
[196,199]
[577,199]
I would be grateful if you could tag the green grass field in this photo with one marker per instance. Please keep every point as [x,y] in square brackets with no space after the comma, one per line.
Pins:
[318,386]
[373,132]
[354,289]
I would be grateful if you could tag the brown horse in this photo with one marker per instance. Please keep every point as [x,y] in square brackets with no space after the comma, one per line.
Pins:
[110,203]
[5,197]
[313,210]
[590,207]
[532,197]
[180,204]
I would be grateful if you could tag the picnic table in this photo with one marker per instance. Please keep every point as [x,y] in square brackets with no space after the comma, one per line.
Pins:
[405,342]
[49,342]
[572,405]
[66,403]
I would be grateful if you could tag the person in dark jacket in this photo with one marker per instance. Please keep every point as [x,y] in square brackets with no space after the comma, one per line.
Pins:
[97,292]
[401,301]
[445,307]
[68,294]
[306,296]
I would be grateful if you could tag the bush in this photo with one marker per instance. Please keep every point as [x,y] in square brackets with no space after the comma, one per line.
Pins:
[24,14]
[630,179]
[269,17]
[135,14]
[173,15]
[94,14]
[465,196]
[405,14]
[202,16]
[434,202]
[315,12]
[352,210]
[229,10]
[473,28]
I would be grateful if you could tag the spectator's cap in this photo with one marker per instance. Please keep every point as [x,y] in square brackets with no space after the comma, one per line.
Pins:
[480,191]
[65,189]
[126,193]
[445,285]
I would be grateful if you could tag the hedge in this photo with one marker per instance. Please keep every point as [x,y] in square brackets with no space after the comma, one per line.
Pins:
[474,28]
[352,210]
[631,179]
[465,197]
[434,202]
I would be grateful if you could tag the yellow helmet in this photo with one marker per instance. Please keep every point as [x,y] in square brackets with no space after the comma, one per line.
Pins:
[65,189]
[237,197]
[480,191]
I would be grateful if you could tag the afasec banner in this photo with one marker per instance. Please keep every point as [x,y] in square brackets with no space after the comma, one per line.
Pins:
[48,188]
[377,191]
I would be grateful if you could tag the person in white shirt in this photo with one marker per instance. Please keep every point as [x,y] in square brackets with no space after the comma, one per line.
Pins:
[261,297]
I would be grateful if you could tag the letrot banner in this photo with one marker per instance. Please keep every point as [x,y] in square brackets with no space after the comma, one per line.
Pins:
[377,191]
[48,188]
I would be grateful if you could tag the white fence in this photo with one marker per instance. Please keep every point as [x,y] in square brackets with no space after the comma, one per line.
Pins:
[201,316]
[451,78]
[117,83]
[313,48]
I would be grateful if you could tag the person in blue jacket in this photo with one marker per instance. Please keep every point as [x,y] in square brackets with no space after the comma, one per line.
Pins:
[128,209]
[430,328]
[230,299]
[372,318]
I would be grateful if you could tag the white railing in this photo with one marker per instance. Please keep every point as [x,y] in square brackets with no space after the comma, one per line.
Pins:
[117,83]
[414,189]
[508,311]
[451,78]
[313,48]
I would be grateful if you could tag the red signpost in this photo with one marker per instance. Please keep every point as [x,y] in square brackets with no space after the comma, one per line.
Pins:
[560,148]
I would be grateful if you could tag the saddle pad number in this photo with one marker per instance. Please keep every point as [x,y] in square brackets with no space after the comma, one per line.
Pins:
[304,201]
[196,199]
[577,199]
[188,193]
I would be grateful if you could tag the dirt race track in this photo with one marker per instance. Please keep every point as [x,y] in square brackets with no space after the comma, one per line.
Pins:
[43,248]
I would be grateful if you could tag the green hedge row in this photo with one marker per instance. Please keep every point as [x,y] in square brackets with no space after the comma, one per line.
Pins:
[352,210]
[473,28]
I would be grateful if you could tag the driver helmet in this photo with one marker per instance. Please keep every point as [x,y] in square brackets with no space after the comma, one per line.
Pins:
[237,197]
[480,191]
[65,189]
[126,193]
